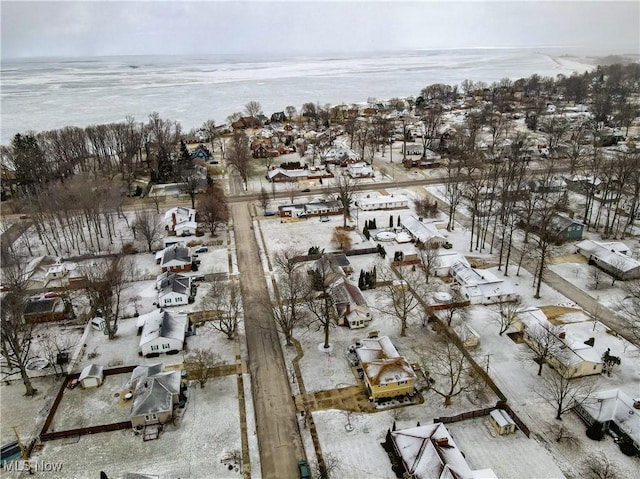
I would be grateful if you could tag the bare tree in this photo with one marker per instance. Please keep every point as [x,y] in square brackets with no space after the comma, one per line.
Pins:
[630,307]
[564,394]
[212,209]
[224,302]
[209,129]
[430,258]
[449,369]
[16,333]
[455,310]
[191,184]
[544,343]
[596,276]
[318,299]
[341,238]
[402,304]
[253,108]
[264,199]
[148,225]
[290,111]
[199,364]
[105,281]
[289,311]
[330,466]
[239,155]
[600,467]
[507,315]
[56,348]
[346,187]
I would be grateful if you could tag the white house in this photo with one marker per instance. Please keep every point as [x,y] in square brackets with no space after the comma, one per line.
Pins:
[174,289]
[445,260]
[429,452]
[350,305]
[481,286]
[161,332]
[610,257]
[613,407]
[423,232]
[360,170]
[383,202]
[92,376]
[177,215]
[187,228]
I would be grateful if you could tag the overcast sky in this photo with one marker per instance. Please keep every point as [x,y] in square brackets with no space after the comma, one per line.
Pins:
[88,28]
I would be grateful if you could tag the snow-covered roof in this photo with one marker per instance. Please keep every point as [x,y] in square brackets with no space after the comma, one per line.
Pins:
[173,283]
[155,394]
[429,452]
[614,405]
[288,173]
[177,252]
[381,362]
[91,371]
[421,231]
[182,214]
[468,276]
[611,253]
[162,324]
[382,200]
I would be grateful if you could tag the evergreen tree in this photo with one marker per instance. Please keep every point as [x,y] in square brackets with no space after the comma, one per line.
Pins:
[390,221]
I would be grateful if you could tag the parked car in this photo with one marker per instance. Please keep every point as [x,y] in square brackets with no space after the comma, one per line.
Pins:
[303,469]
[202,249]
[306,190]
[198,279]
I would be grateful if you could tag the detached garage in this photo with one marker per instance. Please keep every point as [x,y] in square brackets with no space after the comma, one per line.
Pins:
[92,376]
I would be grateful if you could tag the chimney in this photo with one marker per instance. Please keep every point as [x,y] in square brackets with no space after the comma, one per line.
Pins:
[442,442]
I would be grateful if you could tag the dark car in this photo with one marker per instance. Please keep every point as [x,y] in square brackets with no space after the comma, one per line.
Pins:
[306,190]
[303,469]
[202,249]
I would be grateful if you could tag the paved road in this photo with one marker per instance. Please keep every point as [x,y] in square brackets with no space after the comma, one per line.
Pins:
[277,427]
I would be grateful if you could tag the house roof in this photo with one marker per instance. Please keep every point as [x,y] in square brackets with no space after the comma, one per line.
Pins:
[155,394]
[429,452]
[162,324]
[381,361]
[382,200]
[177,252]
[92,371]
[615,405]
[610,253]
[173,283]
[42,306]
[421,231]
[182,214]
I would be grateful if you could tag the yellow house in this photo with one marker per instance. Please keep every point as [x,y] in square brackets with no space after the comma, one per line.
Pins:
[386,373]
[573,351]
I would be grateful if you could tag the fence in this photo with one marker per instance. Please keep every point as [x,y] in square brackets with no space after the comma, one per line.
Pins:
[47,436]
[485,412]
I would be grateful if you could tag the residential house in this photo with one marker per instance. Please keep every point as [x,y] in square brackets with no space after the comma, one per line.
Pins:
[161,332]
[181,221]
[340,155]
[445,261]
[47,271]
[611,257]
[351,307]
[278,117]
[429,452]
[560,228]
[481,286]
[174,258]
[617,411]
[174,289]
[414,150]
[201,152]
[315,207]
[43,310]
[246,122]
[574,352]
[386,373]
[155,394]
[92,376]
[360,170]
[549,185]
[383,202]
[423,232]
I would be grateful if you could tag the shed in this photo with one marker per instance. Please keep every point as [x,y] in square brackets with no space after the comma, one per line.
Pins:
[502,422]
[92,376]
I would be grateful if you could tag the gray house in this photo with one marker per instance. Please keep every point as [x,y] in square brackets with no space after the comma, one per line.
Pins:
[155,395]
